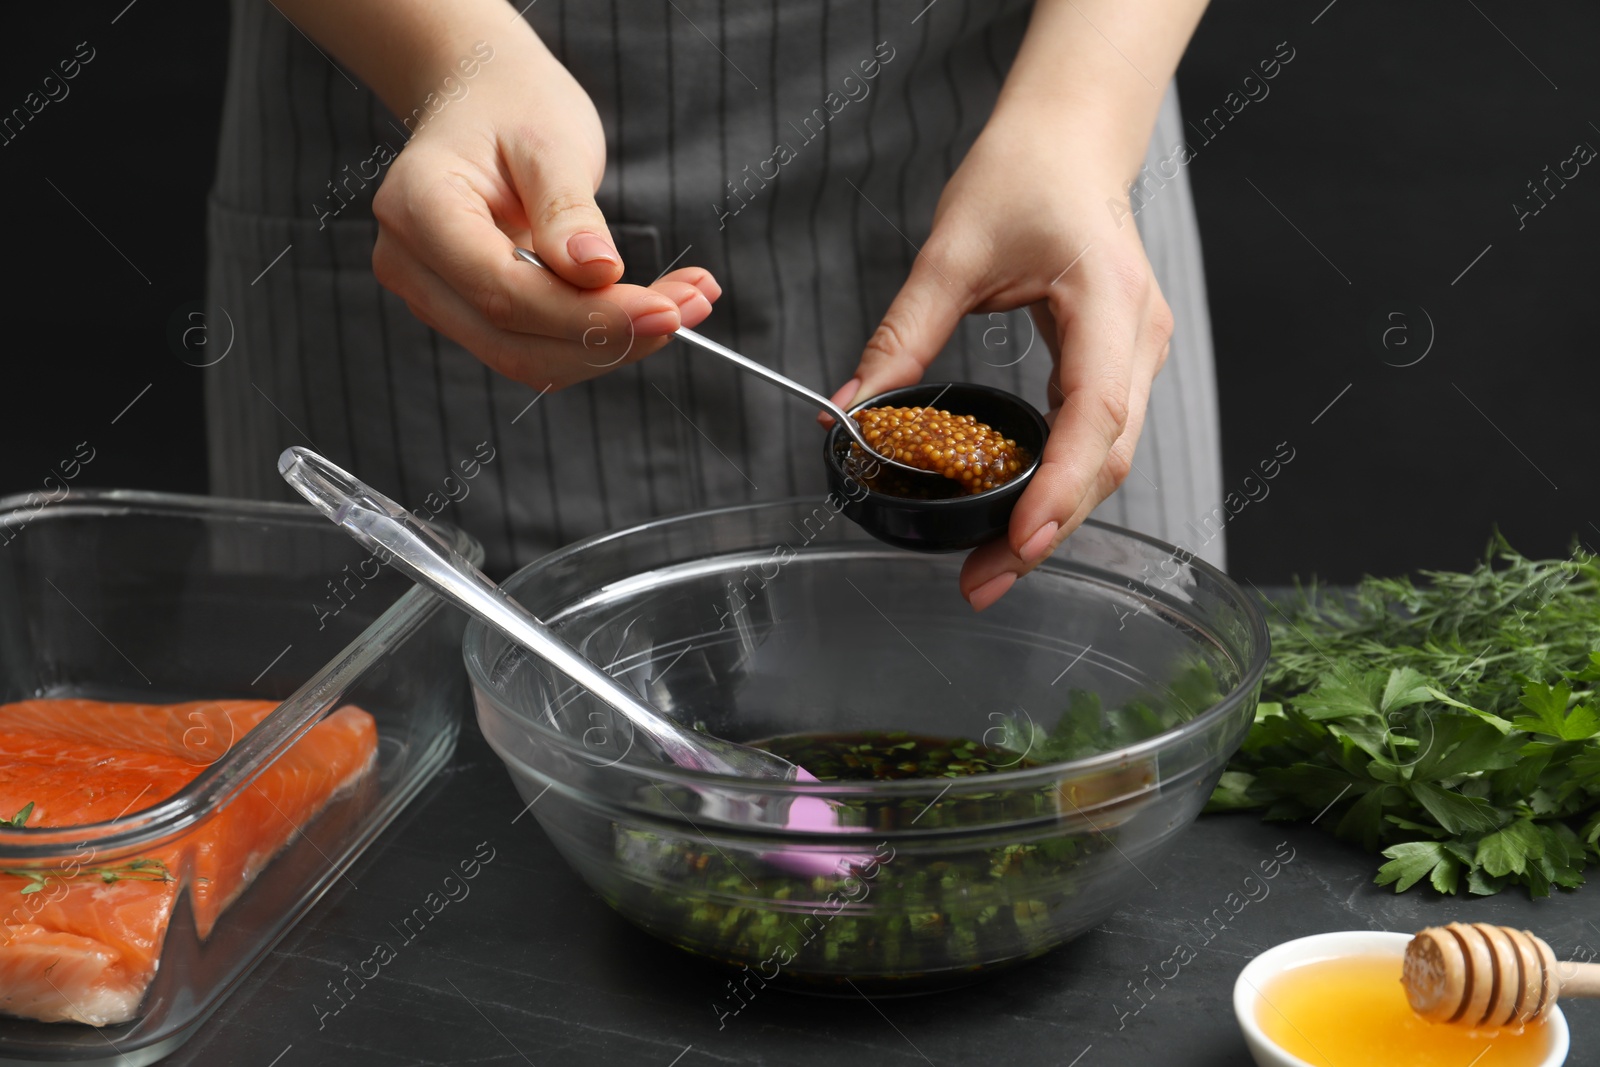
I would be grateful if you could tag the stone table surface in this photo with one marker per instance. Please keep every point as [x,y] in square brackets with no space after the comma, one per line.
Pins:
[531,967]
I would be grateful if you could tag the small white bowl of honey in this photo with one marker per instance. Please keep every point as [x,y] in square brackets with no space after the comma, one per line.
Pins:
[1336,1000]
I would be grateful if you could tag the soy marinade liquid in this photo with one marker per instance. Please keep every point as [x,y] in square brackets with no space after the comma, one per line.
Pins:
[930,916]
[878,756]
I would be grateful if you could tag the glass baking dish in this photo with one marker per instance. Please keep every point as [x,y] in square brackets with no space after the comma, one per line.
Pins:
[156,598]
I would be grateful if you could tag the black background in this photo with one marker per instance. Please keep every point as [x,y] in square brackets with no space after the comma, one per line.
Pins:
[1386,157]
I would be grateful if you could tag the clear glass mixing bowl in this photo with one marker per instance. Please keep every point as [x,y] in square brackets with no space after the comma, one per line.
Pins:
[1117,679]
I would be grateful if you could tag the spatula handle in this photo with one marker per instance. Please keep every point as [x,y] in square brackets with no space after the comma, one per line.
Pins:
[385,527]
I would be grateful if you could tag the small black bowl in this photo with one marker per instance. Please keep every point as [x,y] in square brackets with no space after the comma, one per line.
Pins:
[939,523]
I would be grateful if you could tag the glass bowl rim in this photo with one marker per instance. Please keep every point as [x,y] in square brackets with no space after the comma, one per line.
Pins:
[474,641]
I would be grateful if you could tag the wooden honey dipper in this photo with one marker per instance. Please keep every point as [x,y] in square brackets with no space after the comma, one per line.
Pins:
[1489,976]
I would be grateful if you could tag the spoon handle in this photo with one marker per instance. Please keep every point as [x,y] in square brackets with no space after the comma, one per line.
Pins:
[788,384]
[701,341]
[846,422]
[382,525]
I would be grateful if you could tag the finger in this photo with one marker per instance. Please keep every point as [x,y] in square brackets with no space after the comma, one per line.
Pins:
[989,573]
[693,307]
[844,398]
[683,285]
[1094,385]
[695,311]
[991,569]
[917,325]
[698,277]
[446,229]
[1044,320]
[679,292]
[569,231]
[538,360]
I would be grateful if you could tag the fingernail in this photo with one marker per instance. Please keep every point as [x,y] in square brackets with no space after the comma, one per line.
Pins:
[992,590]
[589,248]
[694,310]
[844,397]
[1034,548]
[656,324]
[708,285]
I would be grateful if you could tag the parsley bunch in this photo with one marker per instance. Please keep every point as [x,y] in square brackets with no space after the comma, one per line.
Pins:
[1451,724]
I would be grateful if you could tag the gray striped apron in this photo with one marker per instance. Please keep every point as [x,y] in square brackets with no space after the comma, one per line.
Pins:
[696,97]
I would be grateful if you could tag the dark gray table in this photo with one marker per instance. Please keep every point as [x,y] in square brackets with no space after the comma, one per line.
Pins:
[531,967]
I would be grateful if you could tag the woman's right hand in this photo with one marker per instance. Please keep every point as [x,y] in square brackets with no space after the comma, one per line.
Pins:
[515,161]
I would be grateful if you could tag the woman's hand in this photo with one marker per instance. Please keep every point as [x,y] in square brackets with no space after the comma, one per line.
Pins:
[515,161]
[1026,222]
[1021,224]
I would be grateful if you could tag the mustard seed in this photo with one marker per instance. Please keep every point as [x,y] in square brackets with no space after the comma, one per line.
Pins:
[957,446]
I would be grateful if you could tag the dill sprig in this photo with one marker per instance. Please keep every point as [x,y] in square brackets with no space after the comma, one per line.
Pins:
[139,870]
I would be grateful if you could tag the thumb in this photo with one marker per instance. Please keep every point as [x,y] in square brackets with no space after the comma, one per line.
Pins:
[921,319]
[568,230]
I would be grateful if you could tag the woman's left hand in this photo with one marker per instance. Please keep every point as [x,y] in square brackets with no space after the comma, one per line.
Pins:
[1037,220]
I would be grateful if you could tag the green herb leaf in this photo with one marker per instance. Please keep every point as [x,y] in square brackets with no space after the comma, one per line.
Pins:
[1364,820]
[1482,884]
[1404,688]
[1450,721]
[1413,861]
[20,819]
[1591,672]
[1458,814]
[1550,716]
[1590,834]
[1457,744]
[1233,792]
[1493,720]
[1509,851]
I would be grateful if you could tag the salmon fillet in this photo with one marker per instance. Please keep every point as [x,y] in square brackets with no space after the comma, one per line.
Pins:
[242,838]
[41,965]
[84,940]
[197,732]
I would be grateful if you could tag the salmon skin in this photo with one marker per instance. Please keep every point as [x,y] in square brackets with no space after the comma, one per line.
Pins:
[82,941]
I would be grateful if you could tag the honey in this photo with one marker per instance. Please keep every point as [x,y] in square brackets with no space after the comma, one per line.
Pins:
[1352,1011]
